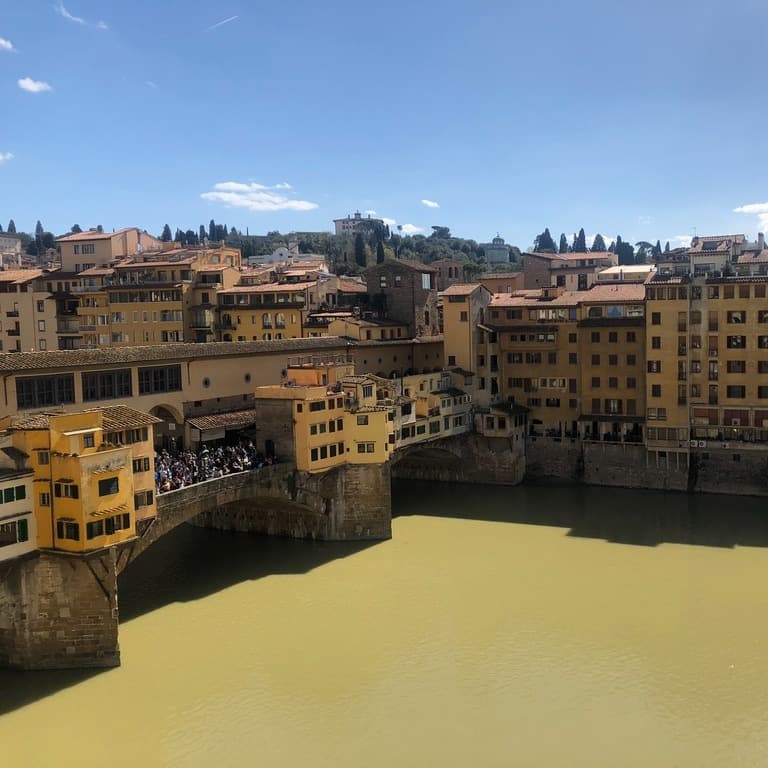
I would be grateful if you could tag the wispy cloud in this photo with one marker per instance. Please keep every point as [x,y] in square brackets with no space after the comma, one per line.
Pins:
[5,157]
[256,197]
[152,84]
[65,14]
[410,229]
[679,241]
[6,45]
[33,86]
[389,222]
[430,203]
[370,212]
[644,220]
[758,209]
[221,23]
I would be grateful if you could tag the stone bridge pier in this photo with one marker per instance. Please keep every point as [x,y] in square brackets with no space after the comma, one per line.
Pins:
[60,610]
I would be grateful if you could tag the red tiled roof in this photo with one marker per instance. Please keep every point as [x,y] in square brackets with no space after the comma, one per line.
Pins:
[461,289]
[93,234]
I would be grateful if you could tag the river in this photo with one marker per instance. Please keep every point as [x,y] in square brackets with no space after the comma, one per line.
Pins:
[499,627]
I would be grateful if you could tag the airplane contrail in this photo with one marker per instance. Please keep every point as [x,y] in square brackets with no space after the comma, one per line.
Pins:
[221,23]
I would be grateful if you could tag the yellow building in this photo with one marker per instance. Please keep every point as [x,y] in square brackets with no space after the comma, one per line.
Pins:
[324,416]
[367,329]
[93,248]
[93,474]
[707,347]
[18,524]
[611,331]
[262,312]
[156,298]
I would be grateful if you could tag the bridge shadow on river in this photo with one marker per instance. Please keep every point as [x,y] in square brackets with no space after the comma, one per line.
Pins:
[617,515]
[187,564]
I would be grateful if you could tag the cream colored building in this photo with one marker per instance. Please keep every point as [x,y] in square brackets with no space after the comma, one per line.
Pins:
[92,248]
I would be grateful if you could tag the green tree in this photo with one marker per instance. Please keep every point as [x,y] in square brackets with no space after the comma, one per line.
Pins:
[166,235]
[666,247]
[440,233]
[657,249]
[76,229]
[563,243]
[380,253]
[644,251]
[580,242]
[39,228]
[178,237]
[624,251]
[544,243]
[11,227]
[99,228]
[598,244]
[360,250]
[212,231]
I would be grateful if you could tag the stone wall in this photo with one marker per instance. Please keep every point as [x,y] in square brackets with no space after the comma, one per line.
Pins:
[59,611]
[350,502]
[468,458]
[730,470]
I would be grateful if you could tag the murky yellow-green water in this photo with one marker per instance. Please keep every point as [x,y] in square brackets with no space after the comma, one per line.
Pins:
[520,635]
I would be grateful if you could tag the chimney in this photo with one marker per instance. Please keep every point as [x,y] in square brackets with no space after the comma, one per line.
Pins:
[761,241]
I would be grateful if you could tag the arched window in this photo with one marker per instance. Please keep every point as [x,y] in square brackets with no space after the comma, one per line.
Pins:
[279,320]
[266,320]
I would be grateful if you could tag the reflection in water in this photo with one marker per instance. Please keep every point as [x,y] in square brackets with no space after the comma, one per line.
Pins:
[498,627]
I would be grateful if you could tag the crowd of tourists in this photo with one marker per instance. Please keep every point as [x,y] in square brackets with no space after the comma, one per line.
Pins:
[182,468]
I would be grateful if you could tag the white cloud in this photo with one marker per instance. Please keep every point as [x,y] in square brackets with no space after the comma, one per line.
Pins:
[759,209]
[430,203]
[645,220]
[65,14]
[5,157]
[33,86]
[6,45]
[255,197]
[389,222]
[152,84]
[679,241]
[410,229]
[371,212]
[221,23]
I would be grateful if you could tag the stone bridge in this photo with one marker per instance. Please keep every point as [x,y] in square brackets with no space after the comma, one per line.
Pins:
[467,458]
[60,610]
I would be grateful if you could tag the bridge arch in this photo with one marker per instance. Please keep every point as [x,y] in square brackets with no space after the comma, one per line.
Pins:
[170,432]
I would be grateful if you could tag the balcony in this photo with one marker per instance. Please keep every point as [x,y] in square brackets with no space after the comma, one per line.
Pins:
[68,326]
[202,324]
[88,327]
[225,325]
[682,351]
[13,332]
[14,313]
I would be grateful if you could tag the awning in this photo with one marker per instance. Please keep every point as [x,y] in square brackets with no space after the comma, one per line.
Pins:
[109,512]
[231,420]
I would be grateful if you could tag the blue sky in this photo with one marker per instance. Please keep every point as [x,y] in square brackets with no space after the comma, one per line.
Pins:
[642,119]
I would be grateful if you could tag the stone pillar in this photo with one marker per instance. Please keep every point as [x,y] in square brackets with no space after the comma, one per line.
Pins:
[59,611]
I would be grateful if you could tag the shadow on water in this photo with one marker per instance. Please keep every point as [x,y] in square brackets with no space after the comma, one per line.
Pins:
[618,515]
[188,564]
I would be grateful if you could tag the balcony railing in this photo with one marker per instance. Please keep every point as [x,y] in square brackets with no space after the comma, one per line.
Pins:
[13,332]
[68,327]
[12,313]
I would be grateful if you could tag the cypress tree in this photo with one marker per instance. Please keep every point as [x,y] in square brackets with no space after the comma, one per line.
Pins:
[380,253]
[580,242]
[11,227]
[657,249]
[203,234]
[166,235]
[666,247]
[598,244]
[39,228]
[563,243]
[212,231]
[544,243]
[360,250]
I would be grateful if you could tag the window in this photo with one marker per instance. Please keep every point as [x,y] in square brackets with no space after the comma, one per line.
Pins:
[143,499]
[106,385]
[631,383]
[66,491]
[736,366]
[159,379]
[631,360]
[41,306]
[736,342]
[738,391]
[571,338]
[595,337]
[41,325]
[109,486]
[45,499]
[88,440]
[595,382]
[317,405]
[654,366]
[572,358]
[655,390]
[613,383]
[613,337]
[655,318]
[736,318]
[67,530]
[762,392]
[119,522]
[362,420]
[43,458]
[613,359]
[92,530]
[41,391]
[595,359]
[631,337]
[141,465]
[368,389]
[655,342]
[464,317]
